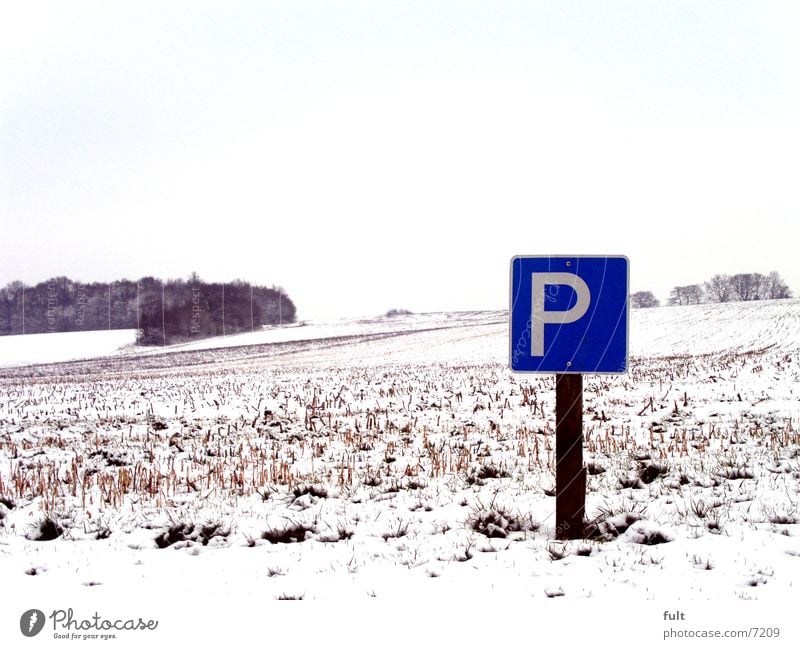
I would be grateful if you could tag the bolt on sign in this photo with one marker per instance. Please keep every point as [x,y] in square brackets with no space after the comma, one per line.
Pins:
[569,316]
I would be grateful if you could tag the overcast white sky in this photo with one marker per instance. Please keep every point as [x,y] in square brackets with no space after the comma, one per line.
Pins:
[366,155]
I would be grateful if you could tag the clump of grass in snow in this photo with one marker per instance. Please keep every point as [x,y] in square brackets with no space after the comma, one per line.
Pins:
[396,533]
[783,519]
[442,528]
[341,533]
[479,476]
[646,535]
[650,560]
[702,564]
[630,482]
[497,522]
[740,473]
[781,516]
[211,530]
[372,480]
[757,580]
[593,468]
[652,471]
[315,490]
[610,522]
[493,548]
[266,493]
[558,551]
[48,529]
[103,532]
[700,508]
[393,488]
[292,533]
[732,467]
[415,483]
[715,525]
[467,554]
[112,458]
[181,532]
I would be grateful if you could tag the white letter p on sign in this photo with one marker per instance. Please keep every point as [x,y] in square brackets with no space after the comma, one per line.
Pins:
[540,317]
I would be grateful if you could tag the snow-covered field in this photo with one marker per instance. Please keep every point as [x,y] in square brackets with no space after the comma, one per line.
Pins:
[400,457]
[18,350]
[60,347]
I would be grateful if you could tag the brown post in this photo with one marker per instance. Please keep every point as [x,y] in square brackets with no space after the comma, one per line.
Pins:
[570,472]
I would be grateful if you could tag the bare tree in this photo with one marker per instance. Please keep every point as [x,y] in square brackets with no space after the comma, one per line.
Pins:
[719,288]
[677,296]
[745,286]
[694,293]
[11,299]
[761,287]
[690,294]
[644,300]
[775,288]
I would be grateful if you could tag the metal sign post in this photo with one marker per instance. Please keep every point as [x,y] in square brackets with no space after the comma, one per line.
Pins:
[569,316]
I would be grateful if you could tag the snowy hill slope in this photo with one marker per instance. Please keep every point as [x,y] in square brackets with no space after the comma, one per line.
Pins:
[63,346]
[711,328]
[438,337]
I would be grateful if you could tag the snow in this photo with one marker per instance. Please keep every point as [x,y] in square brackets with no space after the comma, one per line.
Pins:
[716,328]
[58,347]
[412,461]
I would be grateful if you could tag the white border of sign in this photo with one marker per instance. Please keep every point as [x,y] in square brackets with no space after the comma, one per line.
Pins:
[577,257]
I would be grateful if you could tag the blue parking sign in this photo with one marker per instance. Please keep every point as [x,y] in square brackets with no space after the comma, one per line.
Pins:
[569,314]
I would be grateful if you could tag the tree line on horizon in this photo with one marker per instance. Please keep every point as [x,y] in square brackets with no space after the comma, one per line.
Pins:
[741,287]
[162,311]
